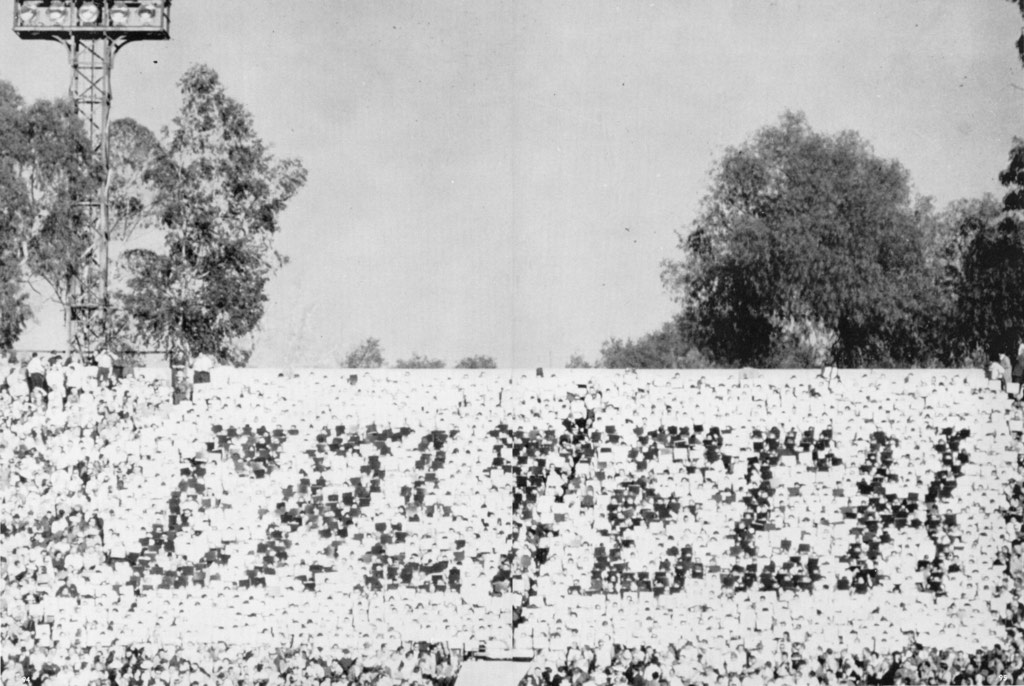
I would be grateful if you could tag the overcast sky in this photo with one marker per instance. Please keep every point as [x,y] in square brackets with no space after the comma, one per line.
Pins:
[504,178]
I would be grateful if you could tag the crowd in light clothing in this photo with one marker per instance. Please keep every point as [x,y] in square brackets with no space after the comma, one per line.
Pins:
[53,380]
[628,528]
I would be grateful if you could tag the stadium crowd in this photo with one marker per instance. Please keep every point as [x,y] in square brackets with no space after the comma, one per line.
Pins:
[415,516]
[79,461]
[747,651]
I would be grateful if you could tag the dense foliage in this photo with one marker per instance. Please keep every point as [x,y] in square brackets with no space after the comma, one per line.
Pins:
[366,355]
[46,166]
[217,195]
[807,239]
[809,248]
[418,361]
[136,159]
[477,362]
[14,308]
[213,192]
[670,347]
[990,284]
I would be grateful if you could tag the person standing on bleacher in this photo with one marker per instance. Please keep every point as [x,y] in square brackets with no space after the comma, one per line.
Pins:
[1004,362]
[75,377]
[202,367]
[36,371]
[55,384]
[104,367]
[16,379]
[180,386]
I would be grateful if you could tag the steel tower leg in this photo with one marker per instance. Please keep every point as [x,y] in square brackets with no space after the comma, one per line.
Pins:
[87,308]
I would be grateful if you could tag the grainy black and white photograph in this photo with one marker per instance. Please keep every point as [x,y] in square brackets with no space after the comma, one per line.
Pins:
[511,342]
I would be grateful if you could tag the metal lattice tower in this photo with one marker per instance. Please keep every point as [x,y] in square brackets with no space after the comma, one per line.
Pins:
[92,31]
[87,313]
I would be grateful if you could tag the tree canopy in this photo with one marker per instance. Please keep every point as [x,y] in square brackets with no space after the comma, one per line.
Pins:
[477,362]
[366,355]
[990,282]
[418,361]
[14,308]
[670,347]
[807,241]
[136,159]
[46,167]
[577,361]
[216,195]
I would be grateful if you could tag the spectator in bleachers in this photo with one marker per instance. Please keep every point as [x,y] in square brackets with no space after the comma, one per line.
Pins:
[75,377]
[202,366]
[1007,370]
[179,373]
[104,367]
[36,370]
[55,383]
[15,381]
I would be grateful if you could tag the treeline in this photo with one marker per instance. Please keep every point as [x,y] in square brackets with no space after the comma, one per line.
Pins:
[369,354]
[809,249]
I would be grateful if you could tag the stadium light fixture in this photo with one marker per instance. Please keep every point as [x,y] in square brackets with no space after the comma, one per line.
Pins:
[57,15]
[85,19]
[88,13]
[119,14]
[27,13]
[148,14]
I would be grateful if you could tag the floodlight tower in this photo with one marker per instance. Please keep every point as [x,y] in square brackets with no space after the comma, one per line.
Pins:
[92,31]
